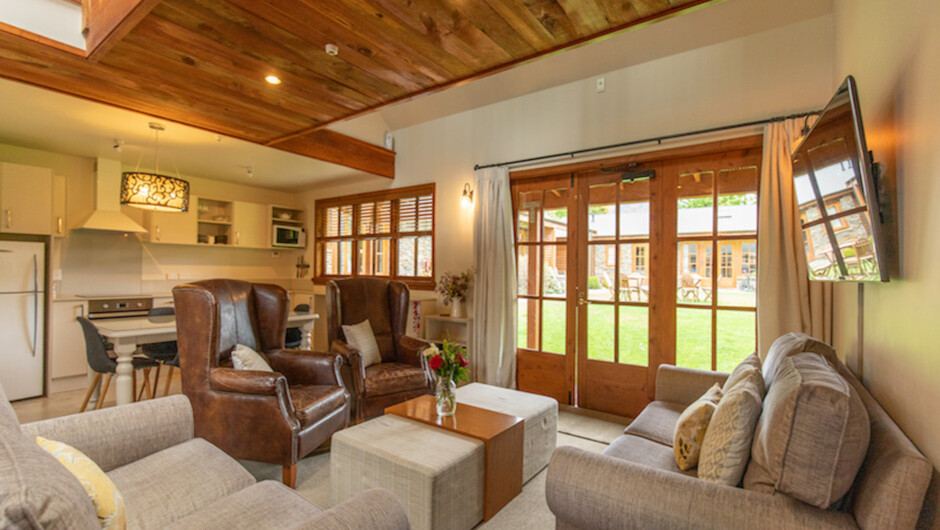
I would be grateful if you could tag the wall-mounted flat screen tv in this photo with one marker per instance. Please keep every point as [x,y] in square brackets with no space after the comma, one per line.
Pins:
[836,194]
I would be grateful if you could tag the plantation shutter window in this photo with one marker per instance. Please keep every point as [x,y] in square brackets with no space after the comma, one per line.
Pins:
[388,234]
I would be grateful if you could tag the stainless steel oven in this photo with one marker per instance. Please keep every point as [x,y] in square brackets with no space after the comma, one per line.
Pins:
[118,306]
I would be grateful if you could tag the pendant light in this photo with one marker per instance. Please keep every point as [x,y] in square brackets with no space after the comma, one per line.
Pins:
[153,191]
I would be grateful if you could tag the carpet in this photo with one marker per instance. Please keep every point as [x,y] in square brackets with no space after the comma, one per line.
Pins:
[527,511]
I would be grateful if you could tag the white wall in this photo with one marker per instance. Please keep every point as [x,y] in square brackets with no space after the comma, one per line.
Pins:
[893,50]
[776,72]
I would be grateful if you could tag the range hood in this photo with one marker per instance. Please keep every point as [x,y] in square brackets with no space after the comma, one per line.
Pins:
[107,215]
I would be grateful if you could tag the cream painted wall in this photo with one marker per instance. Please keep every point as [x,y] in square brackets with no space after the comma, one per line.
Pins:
[776,72]
[893,50]
[107,263]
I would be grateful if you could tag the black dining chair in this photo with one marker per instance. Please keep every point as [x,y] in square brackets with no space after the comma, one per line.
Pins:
[101,363]
[164,353]
[294,336]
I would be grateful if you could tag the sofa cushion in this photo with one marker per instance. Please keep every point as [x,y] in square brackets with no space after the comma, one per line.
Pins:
[793,343]
[266,504]
[657,422]
[36,491]
[812,436]
[314,402]
[646,452]
[726,448]
[389,378]
[691,426]
[750,364]
[175,482]
[7,414]
[108,501]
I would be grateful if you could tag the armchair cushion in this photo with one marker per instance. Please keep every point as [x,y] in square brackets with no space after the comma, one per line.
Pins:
[389,378]
[360,337]
[245,358]
[313,402]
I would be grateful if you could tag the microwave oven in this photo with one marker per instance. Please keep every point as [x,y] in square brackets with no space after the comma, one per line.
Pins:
[288,236]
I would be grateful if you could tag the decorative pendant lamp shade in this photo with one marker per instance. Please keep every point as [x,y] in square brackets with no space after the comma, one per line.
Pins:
[151,191]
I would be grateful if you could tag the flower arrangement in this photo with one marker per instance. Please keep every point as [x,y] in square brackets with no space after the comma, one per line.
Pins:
[455,286]
[450,364]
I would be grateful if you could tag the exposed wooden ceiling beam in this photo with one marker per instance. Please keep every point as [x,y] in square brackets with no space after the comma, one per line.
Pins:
[337,148]
[106,22]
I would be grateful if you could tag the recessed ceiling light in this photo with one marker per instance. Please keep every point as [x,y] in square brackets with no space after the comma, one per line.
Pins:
[273,79]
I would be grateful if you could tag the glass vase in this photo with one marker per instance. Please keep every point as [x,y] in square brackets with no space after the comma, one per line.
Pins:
[446,395]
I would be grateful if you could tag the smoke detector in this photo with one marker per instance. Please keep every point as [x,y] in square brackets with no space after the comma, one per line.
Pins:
[332,49]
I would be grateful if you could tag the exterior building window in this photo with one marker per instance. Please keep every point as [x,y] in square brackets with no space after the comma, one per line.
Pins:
[708,261]
[749,258]
[639,259]
[388,234]
[726,261]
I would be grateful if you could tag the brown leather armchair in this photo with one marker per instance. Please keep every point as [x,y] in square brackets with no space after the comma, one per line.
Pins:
[403,373]
[276,417]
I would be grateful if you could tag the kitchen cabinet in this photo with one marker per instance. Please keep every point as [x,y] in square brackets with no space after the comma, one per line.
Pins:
[58,206]
[248,225]
[171,227]
[68,342]
[25,199]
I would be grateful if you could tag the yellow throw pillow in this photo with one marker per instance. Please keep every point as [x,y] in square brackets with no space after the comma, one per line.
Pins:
[690,429]
[109,504]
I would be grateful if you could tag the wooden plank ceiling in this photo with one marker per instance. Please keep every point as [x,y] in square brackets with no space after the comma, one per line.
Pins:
[203,62]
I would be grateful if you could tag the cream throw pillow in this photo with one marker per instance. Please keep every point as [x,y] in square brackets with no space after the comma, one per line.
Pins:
[109,504]
[691,426]
[812,436]
[244,358]
[726,448]
[361,337]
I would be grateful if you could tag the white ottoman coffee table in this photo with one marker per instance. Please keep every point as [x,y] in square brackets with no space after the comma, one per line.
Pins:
[539,412]
[436,474]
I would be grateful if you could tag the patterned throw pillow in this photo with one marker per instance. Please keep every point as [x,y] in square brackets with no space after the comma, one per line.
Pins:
[109,504]
[726,448]
[244,358]
[691,427]
[749,364]
[361,337]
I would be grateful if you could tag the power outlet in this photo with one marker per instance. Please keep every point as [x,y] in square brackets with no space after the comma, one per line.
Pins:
[601,84]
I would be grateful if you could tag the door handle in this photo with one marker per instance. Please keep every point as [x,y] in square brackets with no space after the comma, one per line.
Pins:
[59,225]
[9,217]
[158,232]
[582,300]
[35,301]
[238,238]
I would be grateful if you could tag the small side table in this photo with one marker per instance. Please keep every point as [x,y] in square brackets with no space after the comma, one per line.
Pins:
[501,434]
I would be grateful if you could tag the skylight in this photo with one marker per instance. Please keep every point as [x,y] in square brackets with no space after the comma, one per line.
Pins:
[59,20]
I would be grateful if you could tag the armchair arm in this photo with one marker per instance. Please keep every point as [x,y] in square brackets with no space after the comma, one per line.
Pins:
[376,509]
[684,385]
[410,350]
[307,367]
[588,490]
[117,436]
[246,381]
[351,356]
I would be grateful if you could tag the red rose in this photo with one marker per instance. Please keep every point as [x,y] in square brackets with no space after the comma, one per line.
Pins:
[462,361]
[435,362]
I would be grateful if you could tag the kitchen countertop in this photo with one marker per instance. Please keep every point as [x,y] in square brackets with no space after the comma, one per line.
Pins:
[77,298]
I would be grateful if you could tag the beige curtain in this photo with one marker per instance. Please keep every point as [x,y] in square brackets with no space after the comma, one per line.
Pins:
[493,352]
[788,301]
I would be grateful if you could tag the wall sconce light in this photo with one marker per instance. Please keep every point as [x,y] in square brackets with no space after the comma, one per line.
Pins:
[467,198]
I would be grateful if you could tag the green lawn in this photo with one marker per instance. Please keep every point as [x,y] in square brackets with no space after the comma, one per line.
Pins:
[736,334]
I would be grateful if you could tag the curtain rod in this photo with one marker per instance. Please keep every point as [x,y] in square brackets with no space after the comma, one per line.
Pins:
[658,139]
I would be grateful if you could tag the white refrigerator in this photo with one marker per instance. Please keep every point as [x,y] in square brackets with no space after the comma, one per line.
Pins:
[22,318]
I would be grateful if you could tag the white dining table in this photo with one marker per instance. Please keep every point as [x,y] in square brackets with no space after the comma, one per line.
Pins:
[128,333]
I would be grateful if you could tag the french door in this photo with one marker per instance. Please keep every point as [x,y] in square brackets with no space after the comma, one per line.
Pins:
[625,267]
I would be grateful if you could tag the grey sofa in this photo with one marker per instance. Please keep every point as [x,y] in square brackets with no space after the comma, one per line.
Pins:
[168,478]
[635,483]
